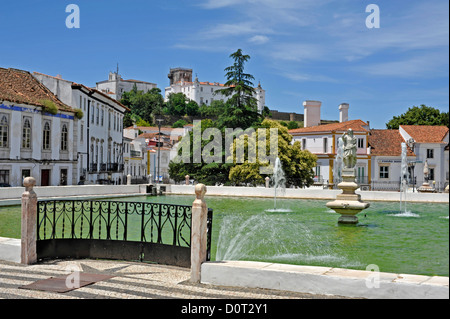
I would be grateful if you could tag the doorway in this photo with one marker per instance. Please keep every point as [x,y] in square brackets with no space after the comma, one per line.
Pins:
[45,177]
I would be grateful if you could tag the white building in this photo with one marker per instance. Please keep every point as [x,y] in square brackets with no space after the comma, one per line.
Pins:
[115,86]
[322,140]
[35,141]
[378,152]
[203,92]
[99,137]
[144,143]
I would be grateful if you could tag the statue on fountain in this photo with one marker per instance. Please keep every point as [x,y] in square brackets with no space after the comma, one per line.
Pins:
[349,149]
[348,204]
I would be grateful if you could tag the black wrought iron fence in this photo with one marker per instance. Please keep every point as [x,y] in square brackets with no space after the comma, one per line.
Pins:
[142,228]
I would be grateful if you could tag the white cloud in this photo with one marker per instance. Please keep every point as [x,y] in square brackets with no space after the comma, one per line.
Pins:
[423,66]
[259,39]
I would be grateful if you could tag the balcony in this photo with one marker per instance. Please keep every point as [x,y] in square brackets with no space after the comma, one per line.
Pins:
[106,168]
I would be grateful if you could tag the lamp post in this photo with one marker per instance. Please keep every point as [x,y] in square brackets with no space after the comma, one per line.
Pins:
[159,147]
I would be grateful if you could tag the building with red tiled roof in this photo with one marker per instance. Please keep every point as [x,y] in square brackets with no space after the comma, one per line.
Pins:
[387,143]
[424,143]
[99,132]
[379,152]
[36,132]
[322,140]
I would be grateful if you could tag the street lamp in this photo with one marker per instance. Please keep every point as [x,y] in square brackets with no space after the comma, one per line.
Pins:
[159,146]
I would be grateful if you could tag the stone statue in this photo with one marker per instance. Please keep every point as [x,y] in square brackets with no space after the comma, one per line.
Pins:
[349,149]
[425,171]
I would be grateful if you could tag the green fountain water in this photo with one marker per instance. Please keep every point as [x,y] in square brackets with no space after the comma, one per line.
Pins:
[308,234]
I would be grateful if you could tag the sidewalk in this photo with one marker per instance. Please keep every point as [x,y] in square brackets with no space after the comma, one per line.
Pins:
[10,249]
[132,280]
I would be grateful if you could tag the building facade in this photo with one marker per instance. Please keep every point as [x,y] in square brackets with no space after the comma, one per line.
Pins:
[203,92]
[99,137]
[379,152]
[115,86]
[38,133]
[322,140]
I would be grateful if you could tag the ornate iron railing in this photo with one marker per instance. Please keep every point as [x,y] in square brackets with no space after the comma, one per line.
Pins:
[137,222]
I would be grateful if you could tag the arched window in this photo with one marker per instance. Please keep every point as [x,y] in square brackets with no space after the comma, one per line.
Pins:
[46,136]
[4,129]
[26,134]
[64,137]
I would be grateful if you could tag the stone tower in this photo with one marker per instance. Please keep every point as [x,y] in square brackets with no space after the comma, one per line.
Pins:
[180,74]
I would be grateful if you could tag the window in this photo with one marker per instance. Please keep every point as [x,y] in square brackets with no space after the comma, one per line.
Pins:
[92,112]
[360,143]
[303,143]
[4,129]
[81,133]
[384,171]
[4,176]
[26,133]
[430,153]
[325,145]
[64,137]
[26,173]
[46,136]
[360,179]
[431,174]
[97,117]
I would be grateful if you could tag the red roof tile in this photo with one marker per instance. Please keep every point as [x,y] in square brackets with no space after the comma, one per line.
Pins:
[355,125]
[426,133]
[387,143]
[20,86]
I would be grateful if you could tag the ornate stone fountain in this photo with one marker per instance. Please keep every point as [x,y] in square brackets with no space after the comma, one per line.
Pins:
[348,204]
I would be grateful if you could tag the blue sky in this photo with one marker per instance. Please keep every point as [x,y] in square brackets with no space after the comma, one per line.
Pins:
[300,49]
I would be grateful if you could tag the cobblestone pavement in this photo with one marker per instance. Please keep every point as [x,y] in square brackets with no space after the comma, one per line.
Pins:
[132,280]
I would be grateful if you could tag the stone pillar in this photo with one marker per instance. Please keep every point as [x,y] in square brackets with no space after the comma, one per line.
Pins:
[186,179]
[267,181]
[128,179]
[29,220]
[198,232]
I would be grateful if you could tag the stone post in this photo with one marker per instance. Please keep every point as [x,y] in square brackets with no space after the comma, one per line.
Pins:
[198,232]
[128,179]
[186,179]
[29,220]
[267,181]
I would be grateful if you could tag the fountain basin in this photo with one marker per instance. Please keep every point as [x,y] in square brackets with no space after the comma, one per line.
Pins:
[347,208]
[348,204]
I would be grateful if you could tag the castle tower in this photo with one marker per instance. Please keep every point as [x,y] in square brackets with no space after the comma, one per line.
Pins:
[178,74]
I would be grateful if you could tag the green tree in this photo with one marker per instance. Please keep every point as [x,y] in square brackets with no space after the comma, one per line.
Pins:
[179,123]
[423,115]
[292,125]
[297,164]
[206,173]
[144,105]
[216,108]
[178,104]
[241,107]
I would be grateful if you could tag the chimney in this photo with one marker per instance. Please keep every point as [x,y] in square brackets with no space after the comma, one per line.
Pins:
[311,113]
[343,112]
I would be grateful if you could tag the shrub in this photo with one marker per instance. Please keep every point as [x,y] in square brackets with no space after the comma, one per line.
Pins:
[79,114]
[49,107]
